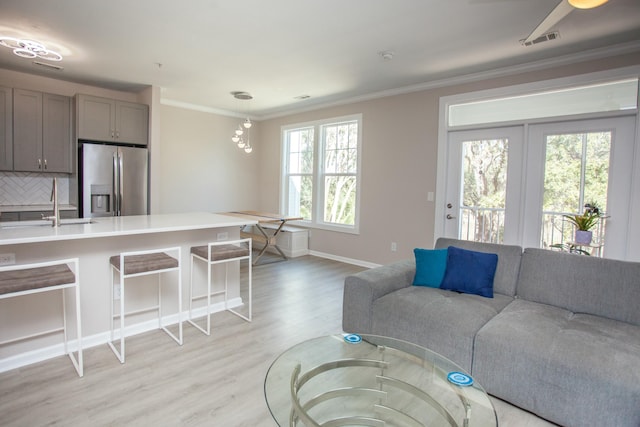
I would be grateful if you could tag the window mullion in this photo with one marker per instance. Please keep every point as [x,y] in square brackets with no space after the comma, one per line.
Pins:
[318,176]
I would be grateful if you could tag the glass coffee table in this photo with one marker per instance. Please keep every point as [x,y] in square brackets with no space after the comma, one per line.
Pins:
[368,380]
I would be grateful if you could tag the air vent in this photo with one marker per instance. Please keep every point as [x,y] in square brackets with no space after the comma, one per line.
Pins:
[50,66]
[543,38]
[242,95]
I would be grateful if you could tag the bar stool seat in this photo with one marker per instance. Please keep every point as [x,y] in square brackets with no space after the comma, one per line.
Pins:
[26,279]
[142,263]
[218,253]
[153,262]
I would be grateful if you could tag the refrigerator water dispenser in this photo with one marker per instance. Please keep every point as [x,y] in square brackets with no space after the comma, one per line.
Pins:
[100,199]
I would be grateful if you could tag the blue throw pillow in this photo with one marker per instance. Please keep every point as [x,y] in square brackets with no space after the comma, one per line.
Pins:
[430,266]
[470,272]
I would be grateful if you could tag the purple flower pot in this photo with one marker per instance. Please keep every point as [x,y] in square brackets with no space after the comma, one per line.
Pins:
[583,237]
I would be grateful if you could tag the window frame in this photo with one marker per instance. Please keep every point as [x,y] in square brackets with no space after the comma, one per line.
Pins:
[318,172]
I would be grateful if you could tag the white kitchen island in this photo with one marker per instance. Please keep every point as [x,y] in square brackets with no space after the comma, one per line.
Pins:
[93,244]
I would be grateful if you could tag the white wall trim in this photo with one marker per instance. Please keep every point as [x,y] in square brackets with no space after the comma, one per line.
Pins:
[205,109]
[592,54]
[352,261]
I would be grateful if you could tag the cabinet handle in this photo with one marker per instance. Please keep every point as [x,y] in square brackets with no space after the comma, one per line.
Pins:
[39,163]
[45,164]
[117,134]
[113,134]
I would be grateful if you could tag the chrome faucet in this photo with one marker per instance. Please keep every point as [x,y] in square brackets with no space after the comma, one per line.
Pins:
[55,218]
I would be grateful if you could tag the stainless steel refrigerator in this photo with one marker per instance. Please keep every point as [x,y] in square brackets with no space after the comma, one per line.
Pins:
[112,180]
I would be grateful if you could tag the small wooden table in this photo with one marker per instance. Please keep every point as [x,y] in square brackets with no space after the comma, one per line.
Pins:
[268,238]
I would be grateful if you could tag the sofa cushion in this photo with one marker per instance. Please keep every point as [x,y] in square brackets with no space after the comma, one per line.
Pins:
[572,369]
[508,266]
[470,272]
[582,284]
[430,267]
[443,321]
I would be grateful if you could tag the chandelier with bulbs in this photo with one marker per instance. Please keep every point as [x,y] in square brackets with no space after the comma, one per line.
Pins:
[241,135]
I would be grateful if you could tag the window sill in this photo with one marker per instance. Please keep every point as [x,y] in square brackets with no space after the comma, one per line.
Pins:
[327,227]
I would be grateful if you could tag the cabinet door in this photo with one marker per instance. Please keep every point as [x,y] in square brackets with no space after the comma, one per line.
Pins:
[6,129]
[56,135]
[27,130]
[96,118]
[132,123]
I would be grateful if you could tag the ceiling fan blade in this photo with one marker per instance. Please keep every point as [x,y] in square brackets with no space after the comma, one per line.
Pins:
[556,15]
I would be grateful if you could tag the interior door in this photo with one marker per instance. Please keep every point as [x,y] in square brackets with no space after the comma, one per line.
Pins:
[483,184]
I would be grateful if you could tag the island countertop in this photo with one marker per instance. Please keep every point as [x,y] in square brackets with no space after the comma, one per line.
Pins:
[13,234]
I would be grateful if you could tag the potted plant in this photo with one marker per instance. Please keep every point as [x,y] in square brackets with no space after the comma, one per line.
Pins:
[584,223]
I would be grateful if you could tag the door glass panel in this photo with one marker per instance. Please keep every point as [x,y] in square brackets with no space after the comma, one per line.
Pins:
[484,189]
[576,173]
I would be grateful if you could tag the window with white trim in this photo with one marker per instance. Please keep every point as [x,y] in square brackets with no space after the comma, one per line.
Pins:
[321,172]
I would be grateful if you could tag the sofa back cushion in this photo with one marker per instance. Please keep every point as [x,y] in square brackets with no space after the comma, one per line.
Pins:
[505,279]
[581,284]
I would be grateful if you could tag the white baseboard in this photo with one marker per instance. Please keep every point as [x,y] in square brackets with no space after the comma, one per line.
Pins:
[46,353]
[353,261]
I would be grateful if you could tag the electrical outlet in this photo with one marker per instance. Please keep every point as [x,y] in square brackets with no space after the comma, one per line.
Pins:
[116,292]
[7,259]
[223,236]
[394,246]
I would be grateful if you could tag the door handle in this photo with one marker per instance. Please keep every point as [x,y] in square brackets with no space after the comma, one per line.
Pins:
[115,190]
[121,189]
[449,216]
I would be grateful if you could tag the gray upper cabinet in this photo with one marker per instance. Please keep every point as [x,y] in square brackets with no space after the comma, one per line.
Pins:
[41,132]
[6,128]
[103,119]
[56,133]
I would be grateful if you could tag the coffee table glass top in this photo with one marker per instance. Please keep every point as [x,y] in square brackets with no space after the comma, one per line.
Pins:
[367,380]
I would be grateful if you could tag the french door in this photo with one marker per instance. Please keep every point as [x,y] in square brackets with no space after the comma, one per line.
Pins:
[483,184]
[514,184]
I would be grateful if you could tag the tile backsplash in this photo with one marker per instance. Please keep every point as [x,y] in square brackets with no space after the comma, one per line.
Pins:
[25,188]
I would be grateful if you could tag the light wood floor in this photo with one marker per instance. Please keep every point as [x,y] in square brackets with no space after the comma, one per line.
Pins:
[209,381]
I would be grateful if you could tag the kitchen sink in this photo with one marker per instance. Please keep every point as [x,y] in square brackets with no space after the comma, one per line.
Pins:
[44,222]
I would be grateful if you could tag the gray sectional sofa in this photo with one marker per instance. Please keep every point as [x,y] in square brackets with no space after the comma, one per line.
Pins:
[560,337]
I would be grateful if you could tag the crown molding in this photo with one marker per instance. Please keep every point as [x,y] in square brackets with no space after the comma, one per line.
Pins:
[600,53]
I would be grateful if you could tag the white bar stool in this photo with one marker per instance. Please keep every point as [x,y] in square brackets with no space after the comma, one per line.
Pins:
[218,253]
[142,263]
[63,275]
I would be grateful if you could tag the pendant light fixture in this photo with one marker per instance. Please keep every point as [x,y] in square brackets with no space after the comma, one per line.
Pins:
[241,135]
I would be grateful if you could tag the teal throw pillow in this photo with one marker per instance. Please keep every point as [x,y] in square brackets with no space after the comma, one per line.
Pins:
[470,272]
[430,266]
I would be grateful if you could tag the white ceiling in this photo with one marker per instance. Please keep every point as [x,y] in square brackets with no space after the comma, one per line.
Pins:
[281,49]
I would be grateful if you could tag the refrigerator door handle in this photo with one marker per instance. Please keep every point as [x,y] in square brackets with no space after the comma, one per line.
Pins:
[121,183]
[115,189]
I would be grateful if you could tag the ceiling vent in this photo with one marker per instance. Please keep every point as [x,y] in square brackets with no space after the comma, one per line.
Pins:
[245,96]
[543,38]
[49,66]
